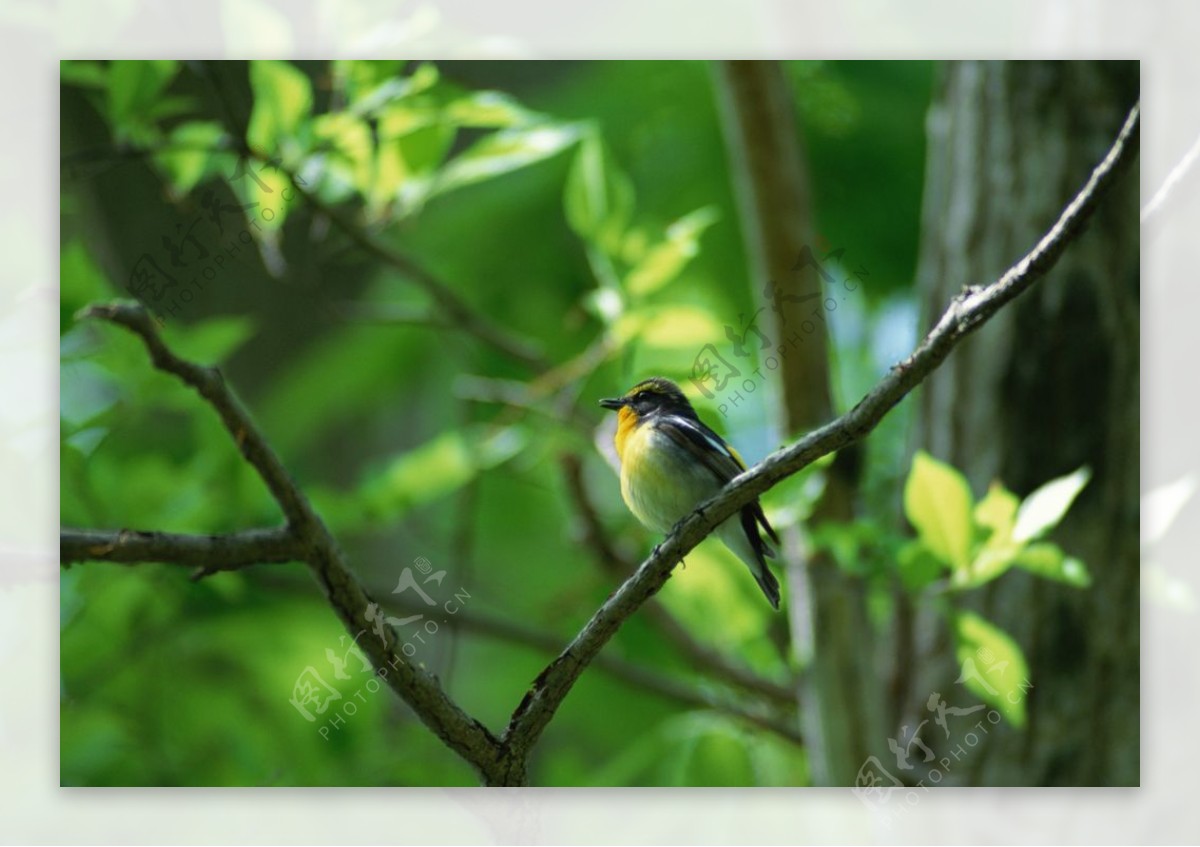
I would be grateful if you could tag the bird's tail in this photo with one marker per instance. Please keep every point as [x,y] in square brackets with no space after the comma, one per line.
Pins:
[740,534]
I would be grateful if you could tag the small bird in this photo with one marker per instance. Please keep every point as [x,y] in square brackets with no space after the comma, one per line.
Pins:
[671,463]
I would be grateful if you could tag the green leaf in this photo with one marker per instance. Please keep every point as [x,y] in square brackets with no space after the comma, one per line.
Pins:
[989,563]
[997,511]
[133,87]
[282,100]
[80,281]
[82,73]
[993,666]
[347,149]
[672,327]
[211,341]
[937,502]
[411,147]
[598,197]
[426,473]
[192,155]
[918,567]
[505,151]
[372,84]
[1044,508]
[664,261]
[489,109]
[1048,560]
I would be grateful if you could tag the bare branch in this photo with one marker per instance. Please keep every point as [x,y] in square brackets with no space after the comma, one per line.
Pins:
[416,686]
[208,553]
[965,314]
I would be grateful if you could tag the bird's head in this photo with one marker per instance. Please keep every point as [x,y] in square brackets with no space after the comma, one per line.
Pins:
[652,396]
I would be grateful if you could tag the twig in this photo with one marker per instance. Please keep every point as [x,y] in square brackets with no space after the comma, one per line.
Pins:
[418,688]
[451,305]
[966,313]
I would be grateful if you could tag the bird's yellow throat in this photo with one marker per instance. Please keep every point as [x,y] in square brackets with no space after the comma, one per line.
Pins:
[627,421]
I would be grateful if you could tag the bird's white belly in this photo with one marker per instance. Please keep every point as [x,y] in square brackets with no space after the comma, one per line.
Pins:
[668,483]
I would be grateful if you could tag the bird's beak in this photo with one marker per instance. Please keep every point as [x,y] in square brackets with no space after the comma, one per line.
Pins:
[613,403]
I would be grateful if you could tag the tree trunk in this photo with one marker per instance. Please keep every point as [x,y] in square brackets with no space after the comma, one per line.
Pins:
[1048,385]
[831,634]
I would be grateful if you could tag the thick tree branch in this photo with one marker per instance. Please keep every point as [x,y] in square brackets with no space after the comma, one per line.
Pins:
[208,553]
[417,687]
[965,314]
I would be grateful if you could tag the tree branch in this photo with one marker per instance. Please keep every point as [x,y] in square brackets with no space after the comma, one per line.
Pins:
[208,553]
[504,761]
[965,314]
[448,302]
[649,679]
[417,687]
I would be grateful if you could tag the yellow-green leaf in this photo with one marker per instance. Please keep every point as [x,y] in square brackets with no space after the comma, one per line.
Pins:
[1049,561]
[598,197]
[504,151]
[193,153]
[937,502]
[663,262]
[993,666]
[673,327]
[282,101]
[997,511]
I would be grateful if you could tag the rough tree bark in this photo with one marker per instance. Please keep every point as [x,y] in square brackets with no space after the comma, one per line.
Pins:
[1047,386]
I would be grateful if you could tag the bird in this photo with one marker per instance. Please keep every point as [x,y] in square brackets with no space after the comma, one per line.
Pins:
[671,462]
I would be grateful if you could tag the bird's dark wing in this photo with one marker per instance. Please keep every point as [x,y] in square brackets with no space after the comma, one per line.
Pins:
[706,446]
[714,453]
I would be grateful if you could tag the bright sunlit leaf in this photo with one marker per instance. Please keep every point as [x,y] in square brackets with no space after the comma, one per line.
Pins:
[282,100]
[505,151]
[937,502]
[664,261]
[1044,508]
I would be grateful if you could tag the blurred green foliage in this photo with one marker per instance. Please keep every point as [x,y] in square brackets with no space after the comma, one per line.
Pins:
[586,207]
